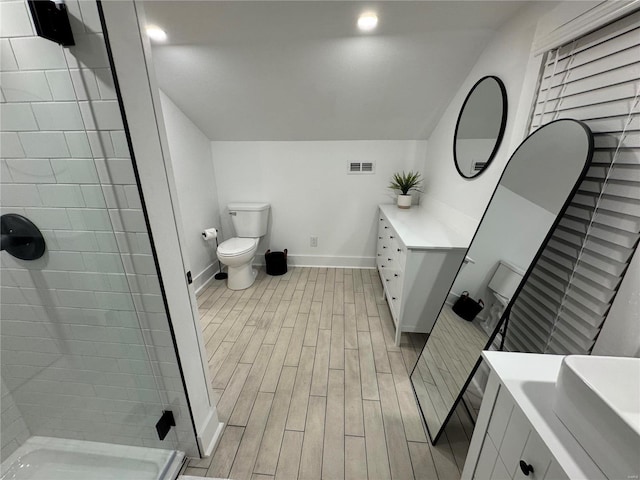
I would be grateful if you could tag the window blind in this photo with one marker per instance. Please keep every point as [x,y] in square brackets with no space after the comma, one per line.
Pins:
[596,79]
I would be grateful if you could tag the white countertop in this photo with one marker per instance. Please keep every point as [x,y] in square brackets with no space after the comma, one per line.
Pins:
[422,228]
[531,379]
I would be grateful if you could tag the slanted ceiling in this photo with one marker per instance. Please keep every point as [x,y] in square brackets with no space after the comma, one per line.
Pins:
[301,70]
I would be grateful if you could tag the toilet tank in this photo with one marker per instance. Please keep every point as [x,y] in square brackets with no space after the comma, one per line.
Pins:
[506,279]
[249,219]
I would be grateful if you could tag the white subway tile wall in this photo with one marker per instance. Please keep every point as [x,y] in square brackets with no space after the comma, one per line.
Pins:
[14,428]
[86,348]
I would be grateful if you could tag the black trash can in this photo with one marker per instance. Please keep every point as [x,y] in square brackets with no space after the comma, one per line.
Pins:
[466,307]
[276,262]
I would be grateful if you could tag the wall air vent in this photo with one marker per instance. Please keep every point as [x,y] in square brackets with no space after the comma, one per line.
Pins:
[361,167]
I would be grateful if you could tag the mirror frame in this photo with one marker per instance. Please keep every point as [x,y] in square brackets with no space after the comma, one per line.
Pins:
[503,126]
[525,277]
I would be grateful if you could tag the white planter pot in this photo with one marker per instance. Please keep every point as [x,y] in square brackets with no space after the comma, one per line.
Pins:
[404,201]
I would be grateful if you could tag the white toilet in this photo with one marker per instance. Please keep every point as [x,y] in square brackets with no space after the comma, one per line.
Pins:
[250,223]
[503,285]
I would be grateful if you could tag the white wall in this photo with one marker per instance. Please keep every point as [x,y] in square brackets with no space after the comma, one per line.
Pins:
[311,193]
[620,335]
[517,243]
[508,57]
[190,152]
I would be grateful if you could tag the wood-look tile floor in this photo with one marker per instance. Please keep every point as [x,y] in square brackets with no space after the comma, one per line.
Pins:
[310,384]
[446,363]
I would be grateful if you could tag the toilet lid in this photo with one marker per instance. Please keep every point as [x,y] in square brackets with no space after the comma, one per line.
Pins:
[236,246]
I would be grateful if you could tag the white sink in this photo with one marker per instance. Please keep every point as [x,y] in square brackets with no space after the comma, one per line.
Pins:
[598,400]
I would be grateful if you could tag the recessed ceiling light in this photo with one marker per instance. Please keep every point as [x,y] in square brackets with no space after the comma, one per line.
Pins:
[367,21]
[156,33]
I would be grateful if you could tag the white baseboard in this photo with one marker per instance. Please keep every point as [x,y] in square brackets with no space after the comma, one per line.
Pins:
[452,298]
[210,435]
[204,278]
[324,261]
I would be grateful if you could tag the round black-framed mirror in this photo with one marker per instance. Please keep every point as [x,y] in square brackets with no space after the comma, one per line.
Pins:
[480,127]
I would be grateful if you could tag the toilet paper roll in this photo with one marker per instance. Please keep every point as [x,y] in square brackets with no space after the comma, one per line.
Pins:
[210,234]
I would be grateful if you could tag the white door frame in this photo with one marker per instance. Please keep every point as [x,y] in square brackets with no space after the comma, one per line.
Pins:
[138,89]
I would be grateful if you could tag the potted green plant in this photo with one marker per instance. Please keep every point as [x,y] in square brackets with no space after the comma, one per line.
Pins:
[405,183]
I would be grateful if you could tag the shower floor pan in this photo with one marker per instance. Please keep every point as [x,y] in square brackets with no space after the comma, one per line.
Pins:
[44,458]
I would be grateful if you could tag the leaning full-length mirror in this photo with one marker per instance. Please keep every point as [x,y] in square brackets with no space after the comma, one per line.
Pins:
[533,191]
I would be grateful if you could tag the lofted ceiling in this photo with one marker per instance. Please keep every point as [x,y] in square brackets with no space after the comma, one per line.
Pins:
[280,70]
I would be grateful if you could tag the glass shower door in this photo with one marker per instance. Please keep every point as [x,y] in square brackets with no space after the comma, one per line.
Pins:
[86,347]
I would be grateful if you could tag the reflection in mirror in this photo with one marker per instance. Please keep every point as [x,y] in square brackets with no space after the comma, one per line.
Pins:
[480,127]
[533,192]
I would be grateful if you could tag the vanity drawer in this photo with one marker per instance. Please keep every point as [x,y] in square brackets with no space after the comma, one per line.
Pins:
[382,256]
[389,260]
[401,256]
[384,247]
[537,455]
[486,460]
[383,226]
[392,283]
[383,263]
[500,416]
[516,441]
[555,472]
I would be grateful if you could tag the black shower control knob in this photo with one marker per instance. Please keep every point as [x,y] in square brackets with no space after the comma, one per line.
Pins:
[20,237]
[526,468]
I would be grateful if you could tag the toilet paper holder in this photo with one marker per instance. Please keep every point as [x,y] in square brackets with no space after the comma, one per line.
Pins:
[212,234]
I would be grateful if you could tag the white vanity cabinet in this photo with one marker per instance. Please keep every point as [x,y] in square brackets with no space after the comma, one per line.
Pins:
[417,258]
[517,434]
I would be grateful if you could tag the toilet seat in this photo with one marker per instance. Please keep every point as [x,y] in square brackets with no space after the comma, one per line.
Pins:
[236,246]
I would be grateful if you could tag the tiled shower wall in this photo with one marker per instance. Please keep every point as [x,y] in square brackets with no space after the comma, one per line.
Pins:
[86,347]
[12,425]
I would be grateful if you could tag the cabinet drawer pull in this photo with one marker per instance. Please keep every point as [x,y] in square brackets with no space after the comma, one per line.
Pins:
[381,266]
[386,279]
[526,468]
[391,236]
[382,219]
[379,254]
[395,274]
[399,249]
[383,246]
[389,259]
[393,298]
[386,227]
[379,238]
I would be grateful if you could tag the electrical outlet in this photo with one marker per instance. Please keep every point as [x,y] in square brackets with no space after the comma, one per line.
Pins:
[313,241]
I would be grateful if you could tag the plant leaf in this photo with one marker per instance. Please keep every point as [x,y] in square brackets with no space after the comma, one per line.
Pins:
[406,182]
